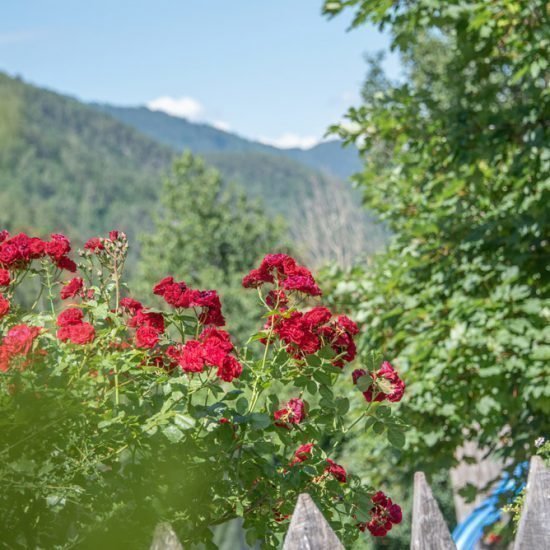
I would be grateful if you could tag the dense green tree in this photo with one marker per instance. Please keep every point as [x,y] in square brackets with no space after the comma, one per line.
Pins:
[208,234]
[458,168]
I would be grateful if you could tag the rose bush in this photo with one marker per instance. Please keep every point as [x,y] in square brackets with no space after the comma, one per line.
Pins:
[116,415]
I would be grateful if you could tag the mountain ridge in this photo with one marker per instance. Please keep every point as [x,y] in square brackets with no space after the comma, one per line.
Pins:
[179,133]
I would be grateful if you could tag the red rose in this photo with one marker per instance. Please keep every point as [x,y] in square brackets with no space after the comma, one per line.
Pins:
[216,345]
[65,263]
[9,254]
[133,306]
[72,288]
[289,274]
[212,307]
[302,453]
[4,359]
[190,357]
[82,333]
[5,278]
[160,288]
[386,384]
[71,316]
[229,369]
[149,319]
[147,337]
[293,413]
[4,306]
[58,247]
[19,339]
[95,244]
[336,470]
[383,514]
[37,248]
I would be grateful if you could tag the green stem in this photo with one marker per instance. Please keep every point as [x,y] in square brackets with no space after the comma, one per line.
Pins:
[49,285]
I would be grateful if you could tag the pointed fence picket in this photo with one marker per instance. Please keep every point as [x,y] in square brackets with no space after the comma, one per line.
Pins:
[309,530]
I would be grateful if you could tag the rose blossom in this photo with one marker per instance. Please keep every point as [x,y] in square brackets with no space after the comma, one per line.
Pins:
[72,288]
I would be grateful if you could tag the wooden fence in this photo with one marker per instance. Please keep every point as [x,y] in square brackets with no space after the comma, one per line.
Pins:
[309,530]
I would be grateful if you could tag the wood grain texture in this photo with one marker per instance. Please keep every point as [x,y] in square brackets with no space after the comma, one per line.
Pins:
[165,538]
[429,529]
[309,530]
[534,524]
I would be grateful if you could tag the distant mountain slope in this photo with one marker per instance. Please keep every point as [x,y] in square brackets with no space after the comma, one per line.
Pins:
[181,134]
[64,166]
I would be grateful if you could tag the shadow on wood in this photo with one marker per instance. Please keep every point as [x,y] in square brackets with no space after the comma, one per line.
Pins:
[429,529]
[534,524]
[309,530]
[165,538]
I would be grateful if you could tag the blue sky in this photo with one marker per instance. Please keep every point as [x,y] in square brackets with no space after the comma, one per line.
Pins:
[267,69]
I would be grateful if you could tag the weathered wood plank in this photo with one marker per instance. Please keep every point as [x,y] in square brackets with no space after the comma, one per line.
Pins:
[429,529]
[534,524]
[309,530]
[165,538]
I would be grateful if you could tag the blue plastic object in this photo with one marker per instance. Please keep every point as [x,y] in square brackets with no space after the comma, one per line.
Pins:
[468,533]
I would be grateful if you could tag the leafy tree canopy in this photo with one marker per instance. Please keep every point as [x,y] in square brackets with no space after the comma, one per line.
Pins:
[458,167]
[208,233]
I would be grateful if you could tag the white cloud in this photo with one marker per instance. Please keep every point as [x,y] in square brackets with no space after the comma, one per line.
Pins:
[290,140]
[221,125]
[184,107]
[193,110]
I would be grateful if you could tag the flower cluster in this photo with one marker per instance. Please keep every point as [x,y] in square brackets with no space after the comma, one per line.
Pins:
[18,342]
[282,270]
[73,328]
[99,245]
[212,349]
[134,355]
[149,325]
[180,296]
[17,251]
[385,384]
[384,514]
[306,333]
[303,453]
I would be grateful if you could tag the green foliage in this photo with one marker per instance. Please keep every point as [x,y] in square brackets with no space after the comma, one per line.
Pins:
[210,234]
[461,297]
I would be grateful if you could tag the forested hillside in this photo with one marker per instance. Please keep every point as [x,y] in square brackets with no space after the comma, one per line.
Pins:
[65,166]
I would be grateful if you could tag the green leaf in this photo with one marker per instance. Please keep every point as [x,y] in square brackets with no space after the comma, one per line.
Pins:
[378,427]
[342,405]
[233,394]
[396,438]
[364,383]
[172,433]
[260,420]
[242,405]
[383,411]
[312,387]
[183,421]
